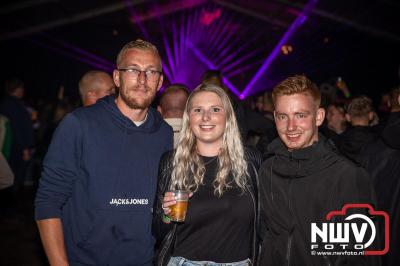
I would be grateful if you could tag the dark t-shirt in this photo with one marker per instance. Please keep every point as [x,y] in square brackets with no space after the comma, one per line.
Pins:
[217,229]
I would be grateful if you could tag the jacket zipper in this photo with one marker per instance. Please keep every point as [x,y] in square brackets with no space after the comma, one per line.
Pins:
[289,245]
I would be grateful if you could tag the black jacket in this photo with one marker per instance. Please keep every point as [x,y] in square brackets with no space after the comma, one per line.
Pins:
[166,233]
[391,132]
[355,138]
[301,187]
[383,163]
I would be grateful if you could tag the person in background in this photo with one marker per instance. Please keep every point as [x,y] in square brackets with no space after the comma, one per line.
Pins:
[391,131]
[359,114]
[264,105]
[22,135]
[95,197]
[95,84]
[5,137]
[259,104]
[210,160]
[383,163]
[6,177]
[6,174]
[172,105]
[268,106]
[336,119]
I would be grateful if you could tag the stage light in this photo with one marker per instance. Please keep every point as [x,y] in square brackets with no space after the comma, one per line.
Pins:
[286,49]
[208,17]
[271,57]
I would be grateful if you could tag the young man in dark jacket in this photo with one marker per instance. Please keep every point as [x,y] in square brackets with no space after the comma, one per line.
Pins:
[94,202]
[359,114]
[303,180]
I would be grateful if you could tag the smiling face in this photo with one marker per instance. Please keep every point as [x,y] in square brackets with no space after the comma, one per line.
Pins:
[207,119]
[297,119]
[138,92]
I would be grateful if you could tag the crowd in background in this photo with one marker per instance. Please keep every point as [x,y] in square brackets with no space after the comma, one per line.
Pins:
[27,125]
[365,130]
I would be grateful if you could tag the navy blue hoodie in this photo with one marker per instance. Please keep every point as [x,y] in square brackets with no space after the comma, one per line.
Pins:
[100,177]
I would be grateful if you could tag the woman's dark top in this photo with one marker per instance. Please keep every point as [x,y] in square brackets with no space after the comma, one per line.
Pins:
[218,229]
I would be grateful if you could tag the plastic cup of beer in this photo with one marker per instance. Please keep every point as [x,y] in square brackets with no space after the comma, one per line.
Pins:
[178,210]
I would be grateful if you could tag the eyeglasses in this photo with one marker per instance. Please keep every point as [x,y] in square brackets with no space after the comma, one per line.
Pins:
[134,73]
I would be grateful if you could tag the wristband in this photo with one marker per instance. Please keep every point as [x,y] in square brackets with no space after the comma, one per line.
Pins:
[166,218]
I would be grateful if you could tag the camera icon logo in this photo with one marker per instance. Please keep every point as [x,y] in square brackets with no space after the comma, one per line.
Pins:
[351,231]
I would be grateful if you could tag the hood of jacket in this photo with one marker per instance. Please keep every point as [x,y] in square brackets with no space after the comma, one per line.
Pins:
[302,162]
[353,140]
[152,123]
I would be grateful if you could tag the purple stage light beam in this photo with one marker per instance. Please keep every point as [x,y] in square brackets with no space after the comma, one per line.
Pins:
[182,47]
[75,49]
[297,23]
[240,60]
[210,65]
[136,19]
[178,58]
[96,65]
[89,55]
[228,38]
[243,68]
[235,51]
[221,32]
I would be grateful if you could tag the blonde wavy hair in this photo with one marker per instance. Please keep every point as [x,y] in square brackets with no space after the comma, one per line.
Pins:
[188,169]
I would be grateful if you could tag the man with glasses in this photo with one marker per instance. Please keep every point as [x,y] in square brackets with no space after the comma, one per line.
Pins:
[94,202]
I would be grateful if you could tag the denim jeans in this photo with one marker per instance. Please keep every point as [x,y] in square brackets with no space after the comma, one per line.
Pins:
[179,261]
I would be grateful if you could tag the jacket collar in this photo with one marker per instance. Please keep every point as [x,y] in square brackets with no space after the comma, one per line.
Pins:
[302,162]
[152,123]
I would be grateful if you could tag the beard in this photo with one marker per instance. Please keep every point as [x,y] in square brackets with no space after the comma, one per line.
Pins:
[137,103]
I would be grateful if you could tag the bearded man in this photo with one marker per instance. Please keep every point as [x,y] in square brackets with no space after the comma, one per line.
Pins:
[94,202]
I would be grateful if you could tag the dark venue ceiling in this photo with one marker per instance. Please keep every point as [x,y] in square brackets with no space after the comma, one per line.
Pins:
[256,43]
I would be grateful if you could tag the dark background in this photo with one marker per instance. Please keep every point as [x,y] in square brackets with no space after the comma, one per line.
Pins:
[47,43]
[52,43]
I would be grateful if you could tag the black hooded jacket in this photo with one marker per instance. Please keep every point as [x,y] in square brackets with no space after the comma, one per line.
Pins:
[383,163]
[355,138]
[391,132]
[301,187]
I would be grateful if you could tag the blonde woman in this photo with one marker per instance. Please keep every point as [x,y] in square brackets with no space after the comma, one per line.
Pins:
[211,162]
